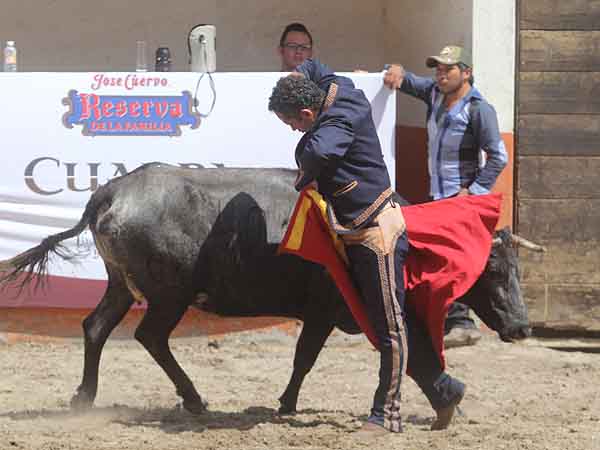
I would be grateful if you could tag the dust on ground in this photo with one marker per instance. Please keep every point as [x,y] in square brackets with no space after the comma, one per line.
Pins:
[539,394]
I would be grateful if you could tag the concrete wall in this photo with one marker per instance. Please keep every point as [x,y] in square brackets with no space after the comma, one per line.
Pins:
[487,27]
[347,34]
[494,41]
[494,30]
[67,35]
[63,35]
[416,29]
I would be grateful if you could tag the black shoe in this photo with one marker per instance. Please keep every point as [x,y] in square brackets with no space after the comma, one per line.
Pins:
[444,415]
[461,337]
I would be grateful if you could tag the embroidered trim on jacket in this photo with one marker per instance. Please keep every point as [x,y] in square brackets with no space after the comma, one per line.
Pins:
[331,93]
[371,209]
[345,189]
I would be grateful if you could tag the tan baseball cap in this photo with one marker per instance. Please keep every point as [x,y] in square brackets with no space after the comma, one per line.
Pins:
[451,54]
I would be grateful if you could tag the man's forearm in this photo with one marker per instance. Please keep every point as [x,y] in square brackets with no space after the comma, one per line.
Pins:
[496,161]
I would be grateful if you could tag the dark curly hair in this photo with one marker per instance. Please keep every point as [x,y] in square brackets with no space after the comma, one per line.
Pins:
[294,93]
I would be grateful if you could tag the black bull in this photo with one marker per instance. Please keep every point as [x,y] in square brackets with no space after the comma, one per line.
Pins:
[179,237]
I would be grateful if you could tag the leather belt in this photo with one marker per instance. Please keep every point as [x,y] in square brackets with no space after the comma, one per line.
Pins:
[382,232]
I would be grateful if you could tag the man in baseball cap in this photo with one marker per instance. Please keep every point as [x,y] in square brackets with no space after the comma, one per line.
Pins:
[450,55]
[461,127]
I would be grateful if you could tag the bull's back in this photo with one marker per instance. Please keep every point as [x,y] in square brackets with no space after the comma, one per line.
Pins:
[157,217]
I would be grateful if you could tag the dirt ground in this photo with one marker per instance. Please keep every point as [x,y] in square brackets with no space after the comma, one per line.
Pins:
[540,394]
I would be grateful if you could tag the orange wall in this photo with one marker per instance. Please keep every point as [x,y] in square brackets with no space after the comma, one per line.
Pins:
[42,324]
[412,177]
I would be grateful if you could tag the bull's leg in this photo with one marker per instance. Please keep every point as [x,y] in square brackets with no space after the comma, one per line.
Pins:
[311,341]
[96,328]
[153,333]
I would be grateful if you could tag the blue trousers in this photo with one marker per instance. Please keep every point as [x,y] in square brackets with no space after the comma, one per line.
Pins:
[403,340]
[458,317]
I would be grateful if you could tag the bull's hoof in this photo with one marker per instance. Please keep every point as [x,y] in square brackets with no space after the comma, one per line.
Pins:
[195,406]
[286,409]
[81,401]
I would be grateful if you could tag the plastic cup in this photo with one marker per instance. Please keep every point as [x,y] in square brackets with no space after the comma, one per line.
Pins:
[141,65]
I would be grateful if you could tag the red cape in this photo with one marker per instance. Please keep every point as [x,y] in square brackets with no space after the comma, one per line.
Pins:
[450,240]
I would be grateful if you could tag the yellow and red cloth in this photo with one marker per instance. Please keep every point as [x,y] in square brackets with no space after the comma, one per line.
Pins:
[450,244]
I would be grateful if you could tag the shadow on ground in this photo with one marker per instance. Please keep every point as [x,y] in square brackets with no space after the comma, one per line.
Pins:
[176,420]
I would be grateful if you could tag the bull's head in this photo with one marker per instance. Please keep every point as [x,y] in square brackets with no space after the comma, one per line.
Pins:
[496,297]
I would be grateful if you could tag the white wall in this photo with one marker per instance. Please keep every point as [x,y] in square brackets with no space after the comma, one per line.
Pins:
[348,33]
[494,31]
[85,35]
[416,29]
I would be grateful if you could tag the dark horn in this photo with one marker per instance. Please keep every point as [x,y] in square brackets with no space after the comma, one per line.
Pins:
[518,240]
[496,241]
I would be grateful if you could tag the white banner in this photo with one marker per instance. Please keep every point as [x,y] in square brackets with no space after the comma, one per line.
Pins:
[66,133]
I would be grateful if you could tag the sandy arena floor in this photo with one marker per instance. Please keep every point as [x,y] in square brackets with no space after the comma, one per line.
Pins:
[533,395]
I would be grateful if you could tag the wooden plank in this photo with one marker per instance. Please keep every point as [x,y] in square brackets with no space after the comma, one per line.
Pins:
[559,51]
[559,177]
[534,296]
[561,220]
[575,304]
[574,135]
[565,262]
[559,15]
[567,307]
[559,93]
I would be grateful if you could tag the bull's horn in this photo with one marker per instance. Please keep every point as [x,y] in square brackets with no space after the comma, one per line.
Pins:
[496,241]
[518,240]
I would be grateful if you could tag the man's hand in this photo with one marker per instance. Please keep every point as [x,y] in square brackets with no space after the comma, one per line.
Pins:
[393,76]
[463,192]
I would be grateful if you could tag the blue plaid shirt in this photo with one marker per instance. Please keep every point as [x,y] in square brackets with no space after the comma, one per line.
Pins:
[464,151]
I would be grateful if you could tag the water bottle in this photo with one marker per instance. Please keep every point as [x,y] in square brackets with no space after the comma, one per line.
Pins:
[10,57]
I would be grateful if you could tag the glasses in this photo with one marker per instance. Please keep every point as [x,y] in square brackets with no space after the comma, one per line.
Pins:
[298,47]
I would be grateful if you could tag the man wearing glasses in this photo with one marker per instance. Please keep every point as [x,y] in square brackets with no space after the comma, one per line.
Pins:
[461,128]
[295,46]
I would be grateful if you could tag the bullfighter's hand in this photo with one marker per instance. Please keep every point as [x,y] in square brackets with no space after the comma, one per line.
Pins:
[463,192]
[313,185]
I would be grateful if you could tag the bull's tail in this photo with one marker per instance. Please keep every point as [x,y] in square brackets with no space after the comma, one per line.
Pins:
[32,264]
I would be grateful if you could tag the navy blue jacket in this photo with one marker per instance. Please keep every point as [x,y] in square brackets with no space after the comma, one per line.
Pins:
[342,151]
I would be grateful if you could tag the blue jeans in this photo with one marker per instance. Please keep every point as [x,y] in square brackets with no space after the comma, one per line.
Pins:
[458,317]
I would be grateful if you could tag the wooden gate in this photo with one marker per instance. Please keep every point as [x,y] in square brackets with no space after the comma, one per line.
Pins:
[558,159]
